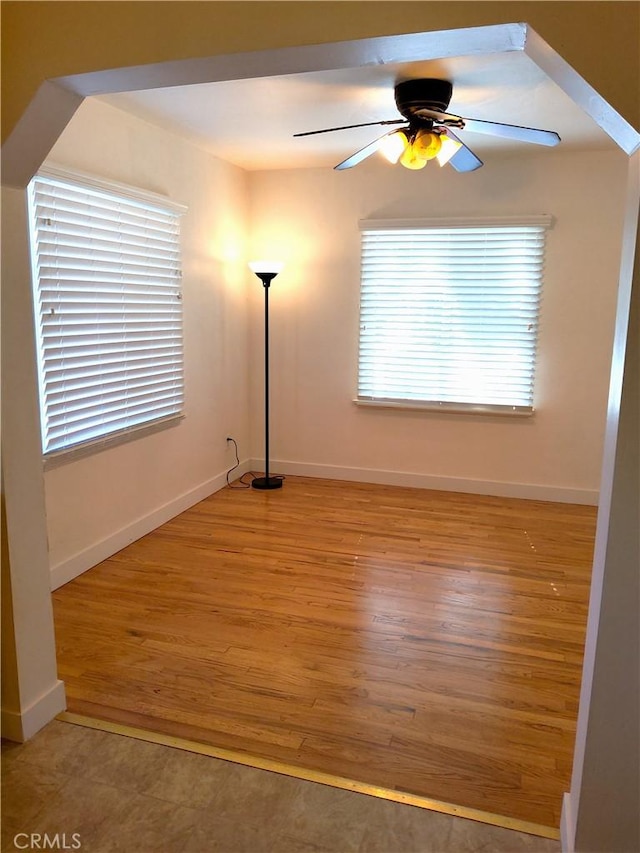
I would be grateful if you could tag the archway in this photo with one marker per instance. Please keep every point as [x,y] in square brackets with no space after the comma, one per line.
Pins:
[26,149]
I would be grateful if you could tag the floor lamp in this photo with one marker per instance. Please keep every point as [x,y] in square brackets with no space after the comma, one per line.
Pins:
[266,272]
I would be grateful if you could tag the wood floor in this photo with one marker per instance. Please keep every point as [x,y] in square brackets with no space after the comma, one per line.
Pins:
[423,641]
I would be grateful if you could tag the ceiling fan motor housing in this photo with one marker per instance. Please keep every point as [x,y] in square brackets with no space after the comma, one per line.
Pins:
[431,94]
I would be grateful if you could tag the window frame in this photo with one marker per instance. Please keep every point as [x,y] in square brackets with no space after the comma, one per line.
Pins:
[60,455]
[544,221]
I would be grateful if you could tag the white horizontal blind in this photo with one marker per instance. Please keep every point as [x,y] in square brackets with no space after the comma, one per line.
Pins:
[449,315]
[107,282]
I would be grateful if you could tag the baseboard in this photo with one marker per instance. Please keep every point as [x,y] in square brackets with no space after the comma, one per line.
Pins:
[529,491]
[77,564]
[22,725]
[567,828]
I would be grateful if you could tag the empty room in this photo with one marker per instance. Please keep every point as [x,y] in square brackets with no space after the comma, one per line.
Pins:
[333,513]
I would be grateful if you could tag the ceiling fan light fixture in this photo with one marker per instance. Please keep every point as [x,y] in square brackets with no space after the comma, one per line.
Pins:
[393,145]
[422,103]
[448,148]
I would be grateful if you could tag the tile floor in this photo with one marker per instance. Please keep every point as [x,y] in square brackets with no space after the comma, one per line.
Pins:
[122,794]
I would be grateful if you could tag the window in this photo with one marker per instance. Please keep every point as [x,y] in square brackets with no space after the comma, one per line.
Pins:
[449,314]
[106,273]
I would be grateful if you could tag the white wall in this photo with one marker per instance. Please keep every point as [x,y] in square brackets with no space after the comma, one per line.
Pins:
[611,762]
[310,218]
[600,812]
[113,496]
[31,691]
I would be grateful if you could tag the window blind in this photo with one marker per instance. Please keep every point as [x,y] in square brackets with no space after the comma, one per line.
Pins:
[449,314]
[107,278]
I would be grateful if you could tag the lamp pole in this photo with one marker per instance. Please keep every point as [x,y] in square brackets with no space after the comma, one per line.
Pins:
[266,272]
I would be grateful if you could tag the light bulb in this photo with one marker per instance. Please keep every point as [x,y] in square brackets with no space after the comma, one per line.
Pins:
[448,149]
[393,145]
[427,144]
[266,267]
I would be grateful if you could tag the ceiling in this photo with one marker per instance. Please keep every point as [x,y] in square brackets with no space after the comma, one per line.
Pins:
[251,122]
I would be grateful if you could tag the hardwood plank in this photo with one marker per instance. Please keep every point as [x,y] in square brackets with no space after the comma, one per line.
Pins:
[427,642]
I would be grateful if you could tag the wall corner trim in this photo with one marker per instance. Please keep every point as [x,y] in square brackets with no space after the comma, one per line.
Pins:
[70,568]
[21,725]
[567,826]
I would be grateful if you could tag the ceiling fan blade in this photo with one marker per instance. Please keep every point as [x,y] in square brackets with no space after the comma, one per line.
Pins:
[512,131]
[362,153]
[350,126]
[494,128]
[464,160]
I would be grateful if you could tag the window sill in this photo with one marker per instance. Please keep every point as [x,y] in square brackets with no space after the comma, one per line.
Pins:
[449,408]
[71,454]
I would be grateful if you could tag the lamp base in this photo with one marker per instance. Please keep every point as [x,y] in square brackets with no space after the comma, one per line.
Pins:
[266,483]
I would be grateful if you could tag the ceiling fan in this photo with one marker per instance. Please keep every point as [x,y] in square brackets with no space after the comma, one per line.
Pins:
[429,132]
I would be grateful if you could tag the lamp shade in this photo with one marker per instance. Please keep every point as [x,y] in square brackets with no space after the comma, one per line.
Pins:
[449,148]
[427,144]
[266,267]
[410,159]
[393,145]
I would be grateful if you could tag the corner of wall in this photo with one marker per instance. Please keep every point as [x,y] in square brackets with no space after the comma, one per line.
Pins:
[22,725]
